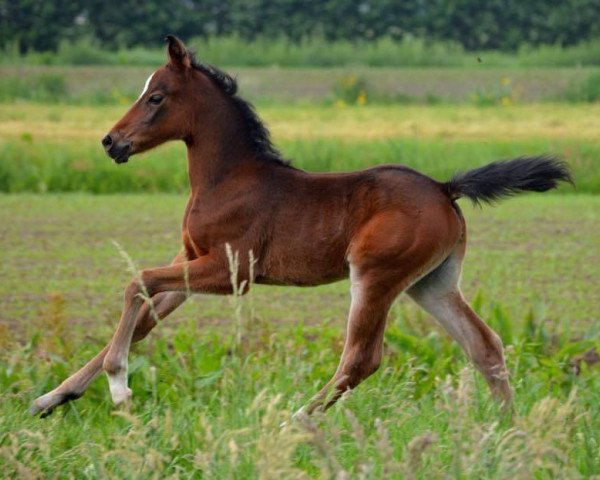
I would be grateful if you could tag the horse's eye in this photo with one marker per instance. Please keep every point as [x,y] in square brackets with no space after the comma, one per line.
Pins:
[155,99]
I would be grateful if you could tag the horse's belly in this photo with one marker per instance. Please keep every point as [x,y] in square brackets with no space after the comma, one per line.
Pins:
[300,281]
[304,266]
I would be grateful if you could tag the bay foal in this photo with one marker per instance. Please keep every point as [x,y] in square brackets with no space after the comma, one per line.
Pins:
[389,228]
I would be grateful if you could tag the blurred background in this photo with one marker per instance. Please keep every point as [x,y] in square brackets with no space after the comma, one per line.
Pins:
[329,34]
[438,85]
[302,61]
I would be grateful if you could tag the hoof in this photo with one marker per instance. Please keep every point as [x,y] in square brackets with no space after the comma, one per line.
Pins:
[120,395]
[117,384]
[300,413]
[298,416]
[45,405]
[37,407]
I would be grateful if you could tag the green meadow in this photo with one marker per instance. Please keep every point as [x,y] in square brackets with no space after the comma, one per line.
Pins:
[215,381]
[56,148]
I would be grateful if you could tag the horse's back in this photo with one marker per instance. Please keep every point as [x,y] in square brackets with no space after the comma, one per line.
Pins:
[319,218]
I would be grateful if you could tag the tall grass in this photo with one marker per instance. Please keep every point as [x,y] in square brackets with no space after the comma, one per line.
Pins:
[316,51]
[212,404]
[30,165]
[320,53]
[587,90]
[209,401]
[46,87]
[53,88]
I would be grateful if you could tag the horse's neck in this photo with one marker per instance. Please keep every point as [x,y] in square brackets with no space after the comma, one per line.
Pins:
[211,158]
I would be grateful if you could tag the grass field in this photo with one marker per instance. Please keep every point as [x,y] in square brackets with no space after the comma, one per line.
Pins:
[211,386]
[109,84]
[213,383]
[58,148]
[516,252]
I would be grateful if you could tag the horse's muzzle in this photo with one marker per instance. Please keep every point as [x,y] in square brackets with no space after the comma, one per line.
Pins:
[116,149]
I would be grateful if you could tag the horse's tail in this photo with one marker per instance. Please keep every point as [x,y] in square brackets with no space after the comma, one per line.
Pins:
[502,179]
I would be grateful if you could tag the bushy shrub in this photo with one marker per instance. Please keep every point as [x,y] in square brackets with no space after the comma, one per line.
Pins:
[351,89]
[315,51]
[586,91]
[42,88]
[500,94]
[83,52]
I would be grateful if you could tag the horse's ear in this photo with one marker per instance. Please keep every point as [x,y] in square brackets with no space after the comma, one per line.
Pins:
[177,53]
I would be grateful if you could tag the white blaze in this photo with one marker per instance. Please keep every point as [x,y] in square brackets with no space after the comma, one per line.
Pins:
[146,86]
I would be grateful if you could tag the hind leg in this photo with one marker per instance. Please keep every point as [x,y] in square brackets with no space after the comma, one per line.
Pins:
[363,347]
[439,294]
[385,258]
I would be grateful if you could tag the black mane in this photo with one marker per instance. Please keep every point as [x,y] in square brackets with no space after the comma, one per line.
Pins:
[257,131]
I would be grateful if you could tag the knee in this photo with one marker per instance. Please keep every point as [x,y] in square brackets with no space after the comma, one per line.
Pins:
[112,366]
[144,284]
[132,290]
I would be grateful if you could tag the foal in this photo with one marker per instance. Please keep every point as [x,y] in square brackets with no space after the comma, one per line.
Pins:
[389,228]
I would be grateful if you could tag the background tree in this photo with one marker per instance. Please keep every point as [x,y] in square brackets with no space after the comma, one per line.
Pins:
[494,24]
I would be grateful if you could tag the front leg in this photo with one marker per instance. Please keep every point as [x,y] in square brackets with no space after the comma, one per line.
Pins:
[206,274]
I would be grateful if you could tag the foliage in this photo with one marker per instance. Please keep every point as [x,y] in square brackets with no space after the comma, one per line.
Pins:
[351,90]
[317,51]
[44,166]
[35,25]
[214,403]
[46,87]
[84,51]
[586,52]
[586,91]
[314,51]
[501,94]
[497,24]
[510,24]
[214,382]
[104,85]
[56,148]
[261,51]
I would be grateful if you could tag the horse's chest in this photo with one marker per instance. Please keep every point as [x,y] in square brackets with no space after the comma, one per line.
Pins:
[199,234]
[205,227]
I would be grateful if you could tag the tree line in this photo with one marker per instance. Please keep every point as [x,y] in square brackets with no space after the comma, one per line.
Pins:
[41,25]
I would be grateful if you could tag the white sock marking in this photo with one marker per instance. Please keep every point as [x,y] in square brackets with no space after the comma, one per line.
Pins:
[117,385]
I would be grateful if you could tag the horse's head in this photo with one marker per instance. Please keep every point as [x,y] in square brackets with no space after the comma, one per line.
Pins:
[165,110]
